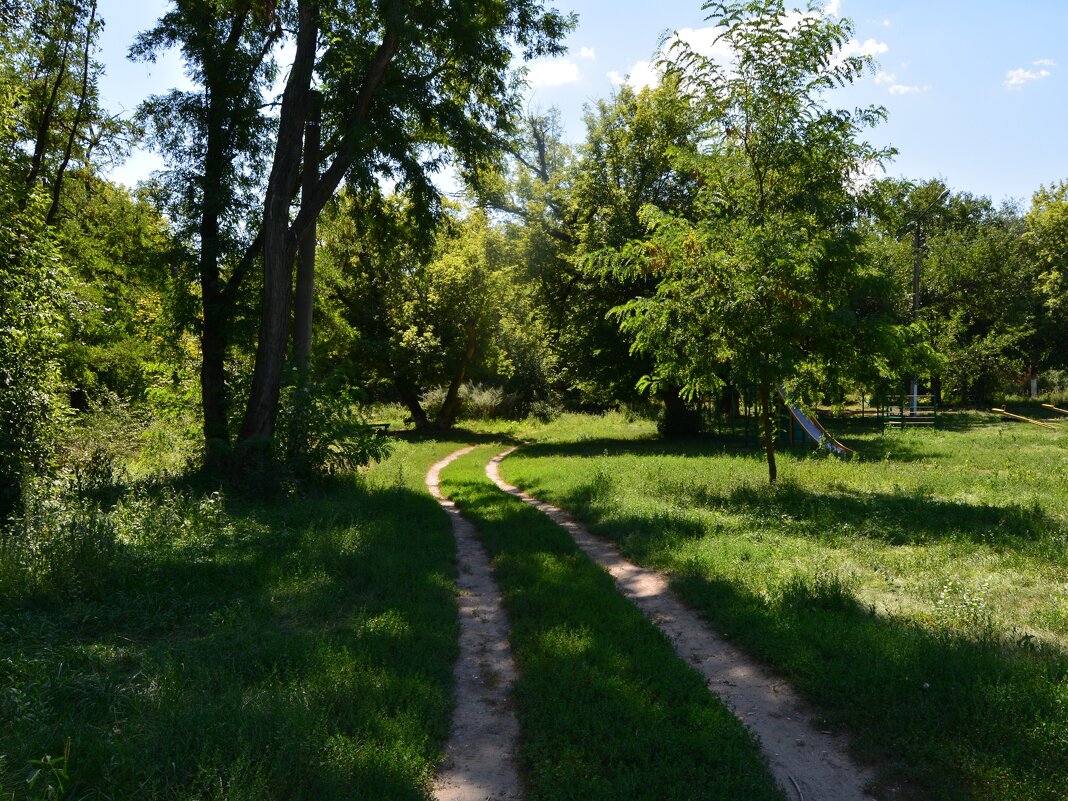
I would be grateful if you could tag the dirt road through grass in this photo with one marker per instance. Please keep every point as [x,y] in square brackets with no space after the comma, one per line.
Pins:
[480,755]
[806,762]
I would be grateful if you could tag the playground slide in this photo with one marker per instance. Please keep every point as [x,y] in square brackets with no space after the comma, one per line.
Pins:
[813,428]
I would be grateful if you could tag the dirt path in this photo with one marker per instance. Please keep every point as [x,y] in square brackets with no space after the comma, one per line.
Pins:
[480,763]
[807,763]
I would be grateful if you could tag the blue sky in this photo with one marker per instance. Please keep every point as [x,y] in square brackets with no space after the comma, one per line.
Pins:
[975,91]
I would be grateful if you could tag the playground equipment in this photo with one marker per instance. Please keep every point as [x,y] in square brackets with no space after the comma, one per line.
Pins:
[811,427]
[1054,408]
[732,413]
[910,411]
[1023,419]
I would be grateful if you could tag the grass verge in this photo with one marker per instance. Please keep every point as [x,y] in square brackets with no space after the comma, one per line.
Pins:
[230,648]
[606,708]
[917,597]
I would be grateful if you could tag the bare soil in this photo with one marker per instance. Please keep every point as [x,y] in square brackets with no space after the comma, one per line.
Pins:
[480,755]
[809,764]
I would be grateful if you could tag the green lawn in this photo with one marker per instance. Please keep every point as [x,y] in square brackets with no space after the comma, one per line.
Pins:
[229,648]
[189,644]
[919,595]
[607,710]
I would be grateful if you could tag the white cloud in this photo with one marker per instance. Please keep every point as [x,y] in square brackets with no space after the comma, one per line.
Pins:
[904,89]
[1045,62]
[869,47]
[1018,78]
[707,42]
[587,52]
[643,74]
[885,77]
[702,40]
[833,8]
[552,72]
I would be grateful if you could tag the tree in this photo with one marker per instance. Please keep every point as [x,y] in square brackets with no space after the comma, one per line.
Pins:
[405,89]
[428,84]
[572,209]
[420,315]
[762,277]
[33,301]
[216,140]
[628,161]
[120,257]
[1047,234]
[980,305]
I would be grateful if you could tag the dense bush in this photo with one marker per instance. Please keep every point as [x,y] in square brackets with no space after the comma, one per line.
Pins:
[324,430]
[482,402]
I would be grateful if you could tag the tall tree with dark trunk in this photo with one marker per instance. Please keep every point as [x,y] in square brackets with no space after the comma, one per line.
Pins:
[432,88]
[405,89]
[215,139]
[280,242]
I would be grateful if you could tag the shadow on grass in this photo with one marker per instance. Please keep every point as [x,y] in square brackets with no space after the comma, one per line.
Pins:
[897,518]
[459,435]
[608,710]
[888,446]
[957,712]
[958,715]
[298,650]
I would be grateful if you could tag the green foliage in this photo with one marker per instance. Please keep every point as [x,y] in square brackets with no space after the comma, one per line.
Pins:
[123,339]
[407,316]
[80,293]
[981,302]
[626,163]
[33,310]
[477,402]
[1047,225]
[1047,234]
[324,429]
[762,275]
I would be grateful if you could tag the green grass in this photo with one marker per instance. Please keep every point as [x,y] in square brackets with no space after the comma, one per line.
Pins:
[919,595]
[223,647]
[606,708]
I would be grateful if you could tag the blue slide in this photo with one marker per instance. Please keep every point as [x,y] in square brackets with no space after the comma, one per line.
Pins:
[813,428]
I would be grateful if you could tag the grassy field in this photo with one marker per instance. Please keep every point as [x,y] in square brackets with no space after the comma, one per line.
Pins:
[919,595]
[607,710]
[225,647]
[164,640]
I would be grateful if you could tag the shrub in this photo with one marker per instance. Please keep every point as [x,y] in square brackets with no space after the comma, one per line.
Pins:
[323,430]
[61,540]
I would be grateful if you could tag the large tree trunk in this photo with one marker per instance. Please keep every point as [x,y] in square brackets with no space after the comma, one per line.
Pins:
[769,434]
[679,419]
[213,394]
[279,237]
[304,301]
[410,398]
[451,407]
[279,242]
